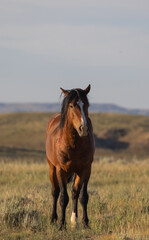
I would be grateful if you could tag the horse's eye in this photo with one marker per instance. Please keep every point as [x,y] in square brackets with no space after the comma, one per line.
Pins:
[71,106]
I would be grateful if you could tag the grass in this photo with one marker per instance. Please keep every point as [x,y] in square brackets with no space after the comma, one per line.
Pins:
[118,206]
[119,185]
[27,130]
[104,121]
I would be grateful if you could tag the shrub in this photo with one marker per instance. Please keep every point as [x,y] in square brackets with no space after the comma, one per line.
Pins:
[20,212]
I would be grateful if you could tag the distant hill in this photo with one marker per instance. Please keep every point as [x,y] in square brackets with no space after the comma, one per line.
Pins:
[116,135]
[55,107]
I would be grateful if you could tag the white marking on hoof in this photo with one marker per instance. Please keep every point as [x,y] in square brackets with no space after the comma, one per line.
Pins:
[74,220]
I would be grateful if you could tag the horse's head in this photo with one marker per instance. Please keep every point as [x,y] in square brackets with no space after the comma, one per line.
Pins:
[75,108]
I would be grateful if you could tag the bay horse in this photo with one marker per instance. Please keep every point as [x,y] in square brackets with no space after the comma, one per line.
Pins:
[70,150]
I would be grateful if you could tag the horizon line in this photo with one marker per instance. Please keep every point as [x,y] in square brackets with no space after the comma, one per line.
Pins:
[91,103]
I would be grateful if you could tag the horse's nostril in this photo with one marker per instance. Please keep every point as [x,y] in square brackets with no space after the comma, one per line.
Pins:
[80,128]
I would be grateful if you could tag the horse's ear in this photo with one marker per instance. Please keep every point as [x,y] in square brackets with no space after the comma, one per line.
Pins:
[65,92]
[87,89]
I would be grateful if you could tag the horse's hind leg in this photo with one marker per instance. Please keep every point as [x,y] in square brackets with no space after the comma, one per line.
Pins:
[84,198]
[55,191]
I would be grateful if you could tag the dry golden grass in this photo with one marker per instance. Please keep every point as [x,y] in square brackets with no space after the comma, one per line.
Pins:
[118,189]
[118,206]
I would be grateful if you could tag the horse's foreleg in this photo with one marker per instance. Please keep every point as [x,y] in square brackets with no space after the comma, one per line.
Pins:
[55,192]
[75,195]
[64,199]
[84,199]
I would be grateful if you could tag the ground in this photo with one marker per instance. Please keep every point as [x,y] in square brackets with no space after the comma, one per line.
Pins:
[118,189]
[118,202]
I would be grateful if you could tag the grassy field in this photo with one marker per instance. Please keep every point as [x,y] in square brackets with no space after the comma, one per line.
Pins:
[118,206]
[118,189]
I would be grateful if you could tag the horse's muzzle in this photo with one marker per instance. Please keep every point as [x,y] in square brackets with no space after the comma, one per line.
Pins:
[83,131]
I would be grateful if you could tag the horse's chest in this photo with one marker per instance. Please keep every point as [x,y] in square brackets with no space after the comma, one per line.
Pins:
[73,159]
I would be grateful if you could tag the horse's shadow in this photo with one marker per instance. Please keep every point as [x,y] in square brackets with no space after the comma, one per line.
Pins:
[110,143]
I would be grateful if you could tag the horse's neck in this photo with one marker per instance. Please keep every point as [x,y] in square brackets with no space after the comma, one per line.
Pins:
[68,136]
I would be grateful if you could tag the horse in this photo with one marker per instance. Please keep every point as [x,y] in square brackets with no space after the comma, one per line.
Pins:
[70,151]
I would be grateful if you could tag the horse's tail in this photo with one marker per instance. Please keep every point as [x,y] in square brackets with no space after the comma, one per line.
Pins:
[71,178]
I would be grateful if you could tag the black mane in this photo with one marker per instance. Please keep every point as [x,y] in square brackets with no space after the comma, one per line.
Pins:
[73,94]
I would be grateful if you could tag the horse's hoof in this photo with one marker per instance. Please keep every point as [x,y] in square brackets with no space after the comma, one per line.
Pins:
[85,225]
[62,227]
[53,219]
[74,226]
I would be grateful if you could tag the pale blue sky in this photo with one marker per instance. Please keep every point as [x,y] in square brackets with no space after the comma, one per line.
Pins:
[45,45]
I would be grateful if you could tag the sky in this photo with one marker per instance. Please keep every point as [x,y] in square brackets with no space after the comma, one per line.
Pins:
[45,45]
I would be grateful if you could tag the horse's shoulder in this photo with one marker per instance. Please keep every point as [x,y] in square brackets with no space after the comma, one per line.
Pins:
[53,122]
